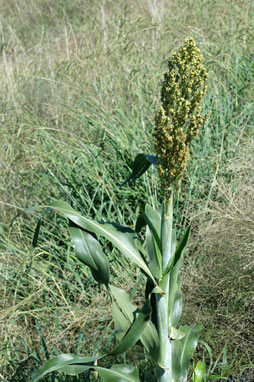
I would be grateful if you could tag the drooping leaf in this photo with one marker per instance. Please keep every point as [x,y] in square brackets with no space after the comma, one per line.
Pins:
[153,242]
[135,331]
[123,238]
[122,324]
[88,250]
[140,165]
[153,220]
[149,337]
[62,364]
[123,300]
[58,363]
[74,365]
[117,373]
[182,351]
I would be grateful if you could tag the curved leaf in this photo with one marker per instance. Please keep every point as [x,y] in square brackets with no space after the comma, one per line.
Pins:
[124,302]
[182,351]
[153,242]
[117,373]
[88,250]
[140,165]
[149,337]
[182,245]
[74,365]
[58,363]
[123,238]
[175,302]
[135,331]
[122,324]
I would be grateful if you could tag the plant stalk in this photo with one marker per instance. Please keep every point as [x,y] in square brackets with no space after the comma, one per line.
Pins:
[164,369]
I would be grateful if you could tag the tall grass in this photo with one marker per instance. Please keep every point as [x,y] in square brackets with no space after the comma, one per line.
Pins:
[79,90]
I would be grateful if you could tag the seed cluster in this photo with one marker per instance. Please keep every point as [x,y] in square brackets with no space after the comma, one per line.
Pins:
[179,118]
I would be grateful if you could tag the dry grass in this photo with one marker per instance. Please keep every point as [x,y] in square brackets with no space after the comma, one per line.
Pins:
[220,284]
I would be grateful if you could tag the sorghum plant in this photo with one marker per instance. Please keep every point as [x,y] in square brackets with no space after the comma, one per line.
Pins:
[156,325]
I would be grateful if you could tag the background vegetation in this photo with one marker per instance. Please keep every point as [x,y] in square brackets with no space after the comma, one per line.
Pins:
[80,85]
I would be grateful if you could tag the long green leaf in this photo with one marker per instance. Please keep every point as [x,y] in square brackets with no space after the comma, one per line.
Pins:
[122,237]
[182,351]
[122,324]
[149,337]
[140,165]
[59,362]
[182,245]
[88,250]
[117,373]
[123,301]
[175,294]
[153,242]
[135,331]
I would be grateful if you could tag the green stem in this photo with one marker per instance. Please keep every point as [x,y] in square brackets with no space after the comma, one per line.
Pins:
[164,369]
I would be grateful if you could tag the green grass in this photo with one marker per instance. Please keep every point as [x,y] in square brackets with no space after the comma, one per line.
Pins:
[80,87]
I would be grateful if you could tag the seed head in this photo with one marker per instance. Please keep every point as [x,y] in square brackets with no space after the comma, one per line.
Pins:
[179,118]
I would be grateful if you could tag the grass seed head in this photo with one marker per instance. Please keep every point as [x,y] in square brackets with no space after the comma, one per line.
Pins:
[179,118]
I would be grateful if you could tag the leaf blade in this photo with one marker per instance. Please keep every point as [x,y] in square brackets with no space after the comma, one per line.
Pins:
[153,242]
[122,237]
[149,336]
[117,373]
[59,362]
[141,164]
[182,351]
[89,252]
